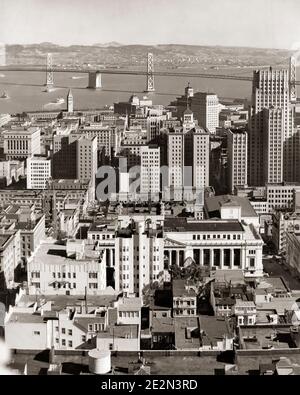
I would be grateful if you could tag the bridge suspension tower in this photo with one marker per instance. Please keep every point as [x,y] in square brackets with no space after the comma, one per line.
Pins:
[150,74]
[49,73]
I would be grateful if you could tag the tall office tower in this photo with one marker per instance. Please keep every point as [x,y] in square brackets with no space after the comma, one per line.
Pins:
[70,102]
[153,127]
[201,153]
[271,88]
[188,154]
[237,153]
[87,159]
[106,137]
[150,170]
[64,157]
[273,145]
[176,158]
[206,108]
[38,172]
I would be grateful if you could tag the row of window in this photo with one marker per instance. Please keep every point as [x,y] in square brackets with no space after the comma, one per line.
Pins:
[217,236]
[63,275]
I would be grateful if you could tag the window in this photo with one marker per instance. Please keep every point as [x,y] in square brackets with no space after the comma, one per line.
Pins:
[37,333]
[70,332]
[70,343]
[90,327]
[83,338]
[63,331]
[110,346]
[63,342]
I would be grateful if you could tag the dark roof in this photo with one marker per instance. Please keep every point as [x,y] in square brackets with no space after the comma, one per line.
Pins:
[180,290]
[214,328]
[183,225]
[163,325]
[188,111]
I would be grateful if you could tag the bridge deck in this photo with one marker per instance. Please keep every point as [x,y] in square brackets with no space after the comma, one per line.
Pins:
[130,72]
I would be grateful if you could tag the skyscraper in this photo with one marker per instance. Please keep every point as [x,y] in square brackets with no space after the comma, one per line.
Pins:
[188,154]
[272,88]
[206,108]
[87,159]
[237,143]
[273,145]
[150,170]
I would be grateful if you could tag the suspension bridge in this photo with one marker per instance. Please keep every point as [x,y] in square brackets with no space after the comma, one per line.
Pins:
[95,75]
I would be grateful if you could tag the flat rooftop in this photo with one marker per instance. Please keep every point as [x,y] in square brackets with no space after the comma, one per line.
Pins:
[129,304]
[163,325]
[166,365]
[26,318]
[232,276]
[51,253]
[265,338]
[183,325]
[21,130]
[215,329]
[179,289]
[276,284]
[183,225]
[121,332]
[60,302]
[103,225]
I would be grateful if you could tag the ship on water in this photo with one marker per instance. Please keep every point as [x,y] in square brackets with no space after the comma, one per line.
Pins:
[4,96]
[59,100]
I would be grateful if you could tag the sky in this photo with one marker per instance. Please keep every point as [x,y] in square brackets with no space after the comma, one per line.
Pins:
[253,23]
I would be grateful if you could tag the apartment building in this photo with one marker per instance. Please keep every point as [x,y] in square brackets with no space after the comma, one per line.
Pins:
[38,172]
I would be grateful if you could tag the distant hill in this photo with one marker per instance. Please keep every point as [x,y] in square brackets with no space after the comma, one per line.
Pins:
[108,45]
[165,55]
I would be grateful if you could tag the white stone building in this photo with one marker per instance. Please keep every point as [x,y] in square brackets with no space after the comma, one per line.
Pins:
[38,172]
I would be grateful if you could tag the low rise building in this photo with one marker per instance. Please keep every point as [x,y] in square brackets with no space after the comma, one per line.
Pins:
[22,143]
[217,244]
[245,312]
[184,299]
[216,333]
[10,257]
[51,272]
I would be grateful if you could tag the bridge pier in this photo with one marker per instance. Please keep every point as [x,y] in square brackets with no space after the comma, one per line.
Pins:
[95,80]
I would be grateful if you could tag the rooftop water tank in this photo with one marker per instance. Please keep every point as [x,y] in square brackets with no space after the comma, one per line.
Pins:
[99,361]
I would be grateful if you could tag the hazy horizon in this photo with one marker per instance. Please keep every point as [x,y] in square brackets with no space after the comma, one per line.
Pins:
[146,45]
[270,24]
